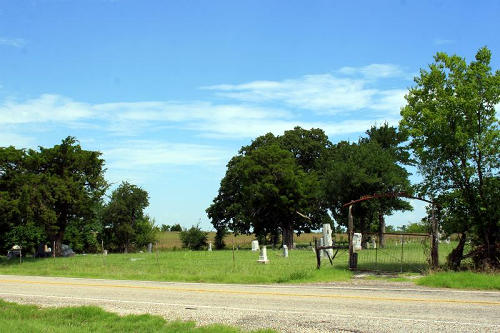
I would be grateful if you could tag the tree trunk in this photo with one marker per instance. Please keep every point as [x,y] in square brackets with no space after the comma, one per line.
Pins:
[288,235]
[456,256]
[381,221]
[58,243]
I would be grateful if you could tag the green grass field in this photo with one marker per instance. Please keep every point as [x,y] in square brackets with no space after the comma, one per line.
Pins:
[462,280]
[189,266]
[29,318]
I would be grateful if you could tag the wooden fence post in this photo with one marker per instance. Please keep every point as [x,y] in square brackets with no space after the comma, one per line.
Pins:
[435,241]
[350,230]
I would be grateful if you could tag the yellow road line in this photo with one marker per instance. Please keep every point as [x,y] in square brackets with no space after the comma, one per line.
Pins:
[258,293]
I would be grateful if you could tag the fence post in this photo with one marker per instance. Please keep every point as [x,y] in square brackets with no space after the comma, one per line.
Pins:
[350,230]
[434,242]
[402,247]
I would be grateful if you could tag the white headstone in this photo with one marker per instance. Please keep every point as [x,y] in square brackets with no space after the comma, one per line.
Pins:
[327,238]
[374,243]
[210,246]
[255,245]
[367,244]
[263,255]
[150,247]
[356,241]
[285,251]
[105,252]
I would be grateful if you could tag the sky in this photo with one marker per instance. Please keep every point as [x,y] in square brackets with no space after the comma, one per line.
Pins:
[169,91]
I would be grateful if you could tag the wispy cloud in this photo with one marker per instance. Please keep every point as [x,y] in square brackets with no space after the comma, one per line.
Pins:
[14,42]
[146,153]
[323,93]
[375,71]
[441,41]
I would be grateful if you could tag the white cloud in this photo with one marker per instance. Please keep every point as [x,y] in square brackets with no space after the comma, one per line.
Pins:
[15,42]
[442,41]
[323,93]
[375,71]
[46,108]
[133,154]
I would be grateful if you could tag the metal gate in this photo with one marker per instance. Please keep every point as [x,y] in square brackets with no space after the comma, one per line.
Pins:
[399,253]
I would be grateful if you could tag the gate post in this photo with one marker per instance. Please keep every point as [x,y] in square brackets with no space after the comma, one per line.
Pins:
[435,242]
[353,262]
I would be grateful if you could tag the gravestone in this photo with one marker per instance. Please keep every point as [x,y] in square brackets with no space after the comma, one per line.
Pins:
[327,238]
[356,241]
[209,246]
[150,247]
[263,255]
[255,245]
[374,243]
[285,251]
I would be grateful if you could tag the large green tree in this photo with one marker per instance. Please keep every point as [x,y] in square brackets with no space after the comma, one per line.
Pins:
[43,191]
[268,182]
[455,139]
[363,168]
[123,218]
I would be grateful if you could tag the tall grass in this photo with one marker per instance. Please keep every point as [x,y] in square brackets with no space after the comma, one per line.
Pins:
[29,318]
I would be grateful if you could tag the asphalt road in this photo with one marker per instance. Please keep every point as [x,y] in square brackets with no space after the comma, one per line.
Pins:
[359,307]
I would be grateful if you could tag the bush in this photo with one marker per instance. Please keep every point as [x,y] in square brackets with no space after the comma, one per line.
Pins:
[194,238]
[176,227]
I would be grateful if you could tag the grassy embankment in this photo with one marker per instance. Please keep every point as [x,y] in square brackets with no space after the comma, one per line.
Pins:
[28,318]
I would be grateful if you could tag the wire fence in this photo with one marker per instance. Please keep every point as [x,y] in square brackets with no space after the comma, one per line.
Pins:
[399,253]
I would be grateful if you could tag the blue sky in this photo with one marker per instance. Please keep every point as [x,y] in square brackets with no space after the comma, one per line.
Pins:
[169,91]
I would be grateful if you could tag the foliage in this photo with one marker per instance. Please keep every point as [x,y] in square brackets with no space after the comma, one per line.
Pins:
[124,221]
[176,227]
[194,238]
[43,192]
[417,227]
[268,182]
[455,140]
[164,228]
[358,169]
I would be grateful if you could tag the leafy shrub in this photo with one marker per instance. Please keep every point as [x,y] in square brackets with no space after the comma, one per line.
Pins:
[176,227]
[194,238]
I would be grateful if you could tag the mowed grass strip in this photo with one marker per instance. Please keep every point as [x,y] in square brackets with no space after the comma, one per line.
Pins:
[187,266]
[29,318]
[462,280]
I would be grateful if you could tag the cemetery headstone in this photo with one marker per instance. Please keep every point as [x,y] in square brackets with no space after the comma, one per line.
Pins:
[356,241]
[263,255]
[210,246]
[255,245]
[285,251]
[327,238]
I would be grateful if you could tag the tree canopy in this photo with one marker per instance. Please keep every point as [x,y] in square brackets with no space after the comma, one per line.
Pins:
[42,192]
[455,139]
[268,182]
[123,218]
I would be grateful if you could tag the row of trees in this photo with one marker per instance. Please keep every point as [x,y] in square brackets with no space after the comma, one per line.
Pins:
[55,195]
[290,183]
[449,131]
